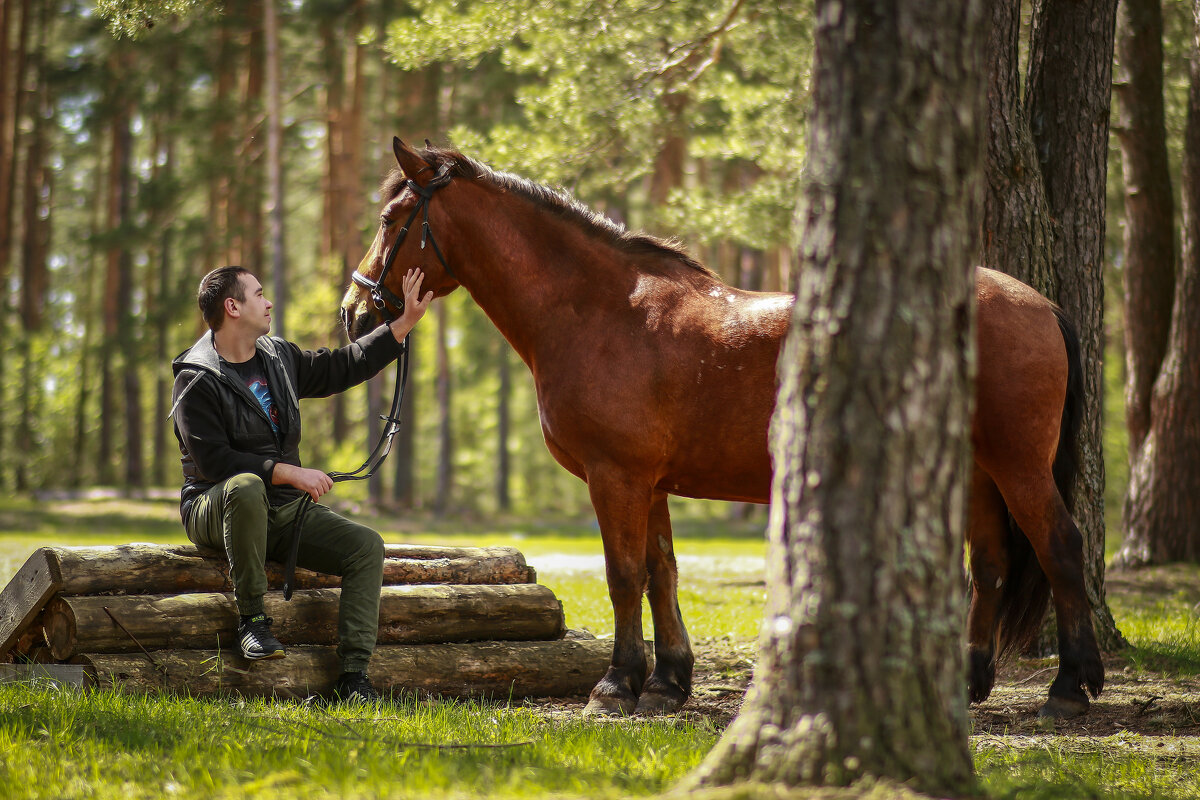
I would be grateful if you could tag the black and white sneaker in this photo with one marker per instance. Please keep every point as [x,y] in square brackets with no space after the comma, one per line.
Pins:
[355,687]
[256,641]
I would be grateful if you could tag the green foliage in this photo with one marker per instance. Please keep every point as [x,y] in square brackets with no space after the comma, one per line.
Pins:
[600,87]
[135,18]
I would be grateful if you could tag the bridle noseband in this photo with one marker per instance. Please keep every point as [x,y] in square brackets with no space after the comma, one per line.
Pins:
[381,296]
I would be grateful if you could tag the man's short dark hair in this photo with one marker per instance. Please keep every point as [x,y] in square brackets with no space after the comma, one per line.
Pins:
[215,287]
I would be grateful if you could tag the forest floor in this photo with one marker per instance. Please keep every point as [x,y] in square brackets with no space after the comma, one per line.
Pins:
[1144,693]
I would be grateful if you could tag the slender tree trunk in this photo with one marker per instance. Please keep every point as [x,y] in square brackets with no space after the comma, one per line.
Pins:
[1148,266]
[1162,513]
[275,164]
[444,484]
[1070,78]
[250,152]
[86,307]
[12,100]
[860,669]
[163,307]
[35,245]
[503,424]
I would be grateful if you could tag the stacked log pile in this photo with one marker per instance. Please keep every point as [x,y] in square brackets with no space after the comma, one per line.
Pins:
[454,621]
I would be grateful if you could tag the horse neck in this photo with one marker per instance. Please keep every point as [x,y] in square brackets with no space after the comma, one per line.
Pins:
[531,272]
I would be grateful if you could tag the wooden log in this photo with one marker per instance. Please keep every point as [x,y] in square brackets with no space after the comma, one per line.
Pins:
[559,668]
[22,599]
[158,569]
[407,614]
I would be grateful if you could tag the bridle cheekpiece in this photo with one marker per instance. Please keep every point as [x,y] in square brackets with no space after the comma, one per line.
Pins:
[381,296]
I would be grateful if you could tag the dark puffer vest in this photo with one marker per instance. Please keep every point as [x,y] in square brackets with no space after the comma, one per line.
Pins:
[222,429]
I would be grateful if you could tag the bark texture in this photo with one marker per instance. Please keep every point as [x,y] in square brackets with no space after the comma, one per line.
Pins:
[1017,228]
[1067,102]
[1163,505]
[860,669]
[561,668]
[1148,268]
[407,615]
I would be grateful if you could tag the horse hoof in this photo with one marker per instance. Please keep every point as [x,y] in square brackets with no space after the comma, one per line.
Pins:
[652,704]
[609,707]
[1063,708]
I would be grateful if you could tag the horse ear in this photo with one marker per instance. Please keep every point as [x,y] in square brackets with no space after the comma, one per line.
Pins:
[409,160]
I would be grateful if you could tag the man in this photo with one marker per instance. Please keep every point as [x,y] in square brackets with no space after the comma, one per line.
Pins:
[237,418]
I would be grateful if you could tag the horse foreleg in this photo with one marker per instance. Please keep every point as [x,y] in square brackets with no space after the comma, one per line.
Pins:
[1059,547]
[987,543]
[622,509]
[670,684]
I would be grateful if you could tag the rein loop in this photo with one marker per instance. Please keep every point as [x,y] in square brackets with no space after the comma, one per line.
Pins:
[381,298]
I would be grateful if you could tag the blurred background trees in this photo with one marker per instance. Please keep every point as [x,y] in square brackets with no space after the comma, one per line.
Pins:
[130,164]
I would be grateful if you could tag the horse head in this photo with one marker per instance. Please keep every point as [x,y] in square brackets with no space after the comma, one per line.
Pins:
[375,291]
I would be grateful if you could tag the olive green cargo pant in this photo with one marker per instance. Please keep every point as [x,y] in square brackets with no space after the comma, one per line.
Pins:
[236,518]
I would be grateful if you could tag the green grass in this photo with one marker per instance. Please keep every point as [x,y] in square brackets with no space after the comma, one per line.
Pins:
[106,744]
[1052,768]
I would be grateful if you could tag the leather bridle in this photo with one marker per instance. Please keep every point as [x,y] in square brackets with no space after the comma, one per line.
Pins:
[381,296]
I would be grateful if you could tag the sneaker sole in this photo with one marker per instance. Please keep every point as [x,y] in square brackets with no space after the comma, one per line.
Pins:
[263,656]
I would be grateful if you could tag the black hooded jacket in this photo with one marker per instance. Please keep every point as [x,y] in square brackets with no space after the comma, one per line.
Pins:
[222,429]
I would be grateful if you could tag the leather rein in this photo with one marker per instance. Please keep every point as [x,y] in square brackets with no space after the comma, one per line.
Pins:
[381,297]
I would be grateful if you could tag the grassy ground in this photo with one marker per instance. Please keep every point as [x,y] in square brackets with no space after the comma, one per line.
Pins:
[1142,739]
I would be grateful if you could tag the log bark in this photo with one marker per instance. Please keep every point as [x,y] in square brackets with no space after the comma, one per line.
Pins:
[560,668]
[407,615]
[150,569]
[153,569]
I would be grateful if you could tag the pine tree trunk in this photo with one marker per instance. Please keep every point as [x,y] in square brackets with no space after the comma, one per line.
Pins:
[1148,265]
[1069,87]
[503,423]
[1163,507]
[35,246]
[275,164]
[1017,229]
[860,669]
[445,452]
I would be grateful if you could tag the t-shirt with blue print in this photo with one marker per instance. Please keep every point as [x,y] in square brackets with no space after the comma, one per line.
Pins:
[255,378]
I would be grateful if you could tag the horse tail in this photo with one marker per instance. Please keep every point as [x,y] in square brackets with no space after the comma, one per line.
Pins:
[1026,594]
[1066,468]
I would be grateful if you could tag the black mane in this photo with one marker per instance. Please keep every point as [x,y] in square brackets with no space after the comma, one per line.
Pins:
[556,202]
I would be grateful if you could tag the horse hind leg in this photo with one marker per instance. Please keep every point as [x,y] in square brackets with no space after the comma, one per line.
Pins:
[1039,511]
[670,684]
[622,509]
[987,543]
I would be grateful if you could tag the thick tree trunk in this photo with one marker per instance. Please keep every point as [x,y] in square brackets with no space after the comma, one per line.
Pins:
[503,670]
[1070,78]
[1017,228]
[1162,511]
[860,669]
[407,615]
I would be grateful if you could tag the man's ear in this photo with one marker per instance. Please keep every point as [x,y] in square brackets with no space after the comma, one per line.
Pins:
[231,307]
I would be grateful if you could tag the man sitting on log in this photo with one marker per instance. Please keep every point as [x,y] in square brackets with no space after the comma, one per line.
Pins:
[237,418]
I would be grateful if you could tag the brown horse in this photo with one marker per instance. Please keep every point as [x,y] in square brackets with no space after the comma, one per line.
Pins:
[655,378]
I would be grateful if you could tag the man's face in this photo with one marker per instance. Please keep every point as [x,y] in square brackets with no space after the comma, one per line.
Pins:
[255,309]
